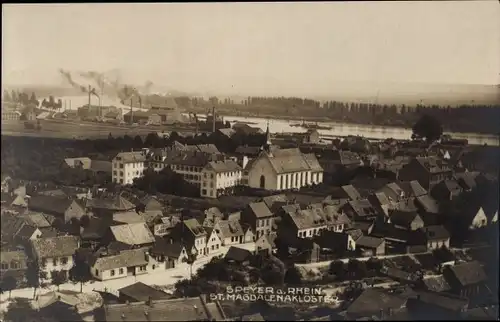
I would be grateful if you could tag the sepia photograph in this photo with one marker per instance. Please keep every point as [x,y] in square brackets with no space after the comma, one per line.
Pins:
[265,161]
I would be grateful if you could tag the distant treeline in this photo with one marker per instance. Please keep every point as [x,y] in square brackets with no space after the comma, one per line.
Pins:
[463,118]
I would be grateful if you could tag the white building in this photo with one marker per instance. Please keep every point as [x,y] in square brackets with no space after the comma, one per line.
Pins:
[55,253]
[217,176]
[283,170]
[128,166]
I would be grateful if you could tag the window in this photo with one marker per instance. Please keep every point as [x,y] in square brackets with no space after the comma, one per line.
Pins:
[64,260]
[54,261]
[14,265]
[267,222]
[211,185]
[5,266]
[212,175]
[121,166]
[121,173]
[96,272]
[115,172]
[120,271]
[204,192]
[112,272]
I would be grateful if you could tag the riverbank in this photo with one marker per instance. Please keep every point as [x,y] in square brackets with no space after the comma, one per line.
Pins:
[387,122]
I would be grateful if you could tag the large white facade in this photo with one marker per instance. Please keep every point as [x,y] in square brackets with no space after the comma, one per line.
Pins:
[279,171]
[127,166]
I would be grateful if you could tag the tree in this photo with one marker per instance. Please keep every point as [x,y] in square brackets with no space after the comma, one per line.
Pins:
[9,283]
[33,98]
[427,127]
[33,276]
[80,272]
[52,102]
[293,276]
[337,268]
[58,278]
[191,259]
[6,96]
[138,141]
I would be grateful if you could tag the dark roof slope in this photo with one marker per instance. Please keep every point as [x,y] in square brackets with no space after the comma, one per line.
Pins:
[142,292]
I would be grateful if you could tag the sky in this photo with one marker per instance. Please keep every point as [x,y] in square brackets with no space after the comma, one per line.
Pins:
[256,47]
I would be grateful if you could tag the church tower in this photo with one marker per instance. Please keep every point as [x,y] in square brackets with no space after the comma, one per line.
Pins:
[267,145]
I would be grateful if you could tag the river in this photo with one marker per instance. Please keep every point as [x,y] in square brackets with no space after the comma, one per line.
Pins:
[368,131]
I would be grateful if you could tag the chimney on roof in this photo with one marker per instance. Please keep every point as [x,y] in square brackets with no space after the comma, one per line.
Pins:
[149,302]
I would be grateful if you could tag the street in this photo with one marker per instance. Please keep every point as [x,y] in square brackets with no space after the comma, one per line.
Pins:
[159,277]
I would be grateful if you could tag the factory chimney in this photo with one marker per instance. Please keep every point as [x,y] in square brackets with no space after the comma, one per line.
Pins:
[213,119]
[131,113]
[90,91]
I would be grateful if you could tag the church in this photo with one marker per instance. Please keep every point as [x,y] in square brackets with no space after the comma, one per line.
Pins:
[282,169]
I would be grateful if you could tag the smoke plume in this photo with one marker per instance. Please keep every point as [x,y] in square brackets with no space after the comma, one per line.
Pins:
[67,76]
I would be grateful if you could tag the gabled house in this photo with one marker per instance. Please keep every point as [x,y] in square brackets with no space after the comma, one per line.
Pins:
[466,279]
[213,241]
[258,216]
[381,203]
[283,169]
[184,309]
[448,189]
[336,241]
[193,235]
[303,223]
[231,232]
[409,220]
[63,208]
[428,209]
[150,203]
[370,246]
[361,210]
[128,217]
[239,256]
[13,200]
[168,254]
[373,302]
[55,253]
[351,193]
[136,235]
[473,217]
[428,171]
[439,306]
[436,237]
[265,244]
[139,292]
[124,263]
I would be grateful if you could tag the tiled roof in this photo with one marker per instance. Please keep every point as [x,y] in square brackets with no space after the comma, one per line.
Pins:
[101,166]
[117,203]
[413,188]
[151,203]
[368,241]
[134,156]
[37,220]
[126,258]
[402,218]
[184,309]
[469,273]
[371,301]
[49,204]
[55,246]
[260,209]
[18,256]
[142,292]
[133,234]
[292,160]
[223,166]
[362,208]
[429,204]
[73,162]
[238,254]
[230,228]
[436,232]
[436,283]
[128,217]
[163,247]
[195,227]
[351,192]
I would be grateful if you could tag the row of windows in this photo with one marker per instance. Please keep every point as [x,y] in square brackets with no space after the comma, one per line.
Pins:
[120,174]
[112,272]
[297,179]
[209,193]
[62,260]
[13,265]
[263,222]
[186,168]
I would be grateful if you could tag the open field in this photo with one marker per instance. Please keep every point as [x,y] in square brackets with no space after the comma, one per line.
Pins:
[80,129]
